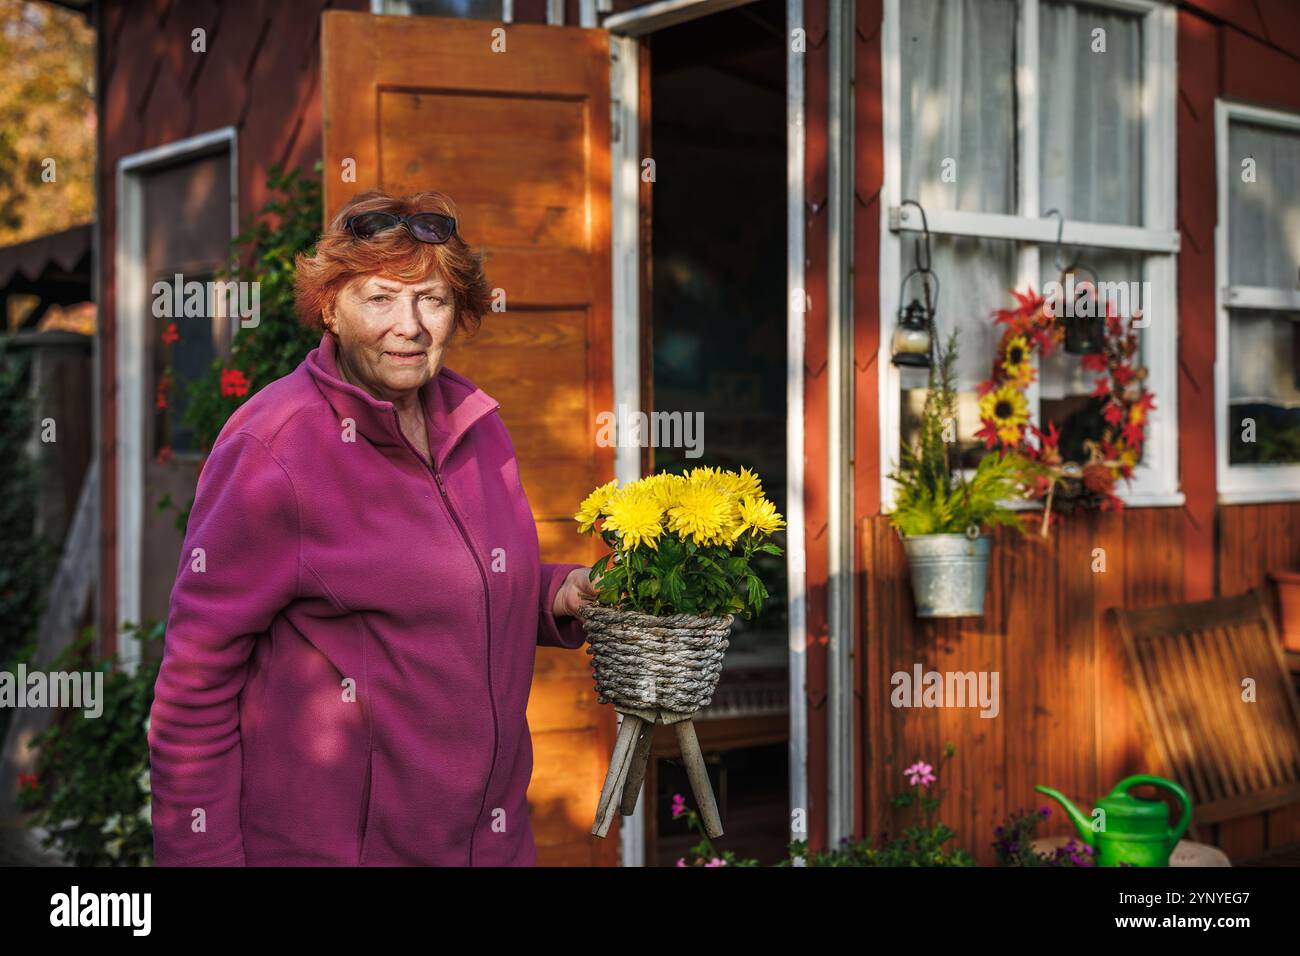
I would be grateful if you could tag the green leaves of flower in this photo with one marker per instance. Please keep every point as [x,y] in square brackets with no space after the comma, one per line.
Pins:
[681,577]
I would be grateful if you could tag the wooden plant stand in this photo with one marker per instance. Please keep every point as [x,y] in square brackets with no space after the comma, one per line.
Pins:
[631,757]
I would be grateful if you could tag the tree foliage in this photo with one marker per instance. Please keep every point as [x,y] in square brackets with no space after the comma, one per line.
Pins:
[47,112]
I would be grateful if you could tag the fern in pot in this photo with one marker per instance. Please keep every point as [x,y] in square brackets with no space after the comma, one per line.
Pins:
[943,514]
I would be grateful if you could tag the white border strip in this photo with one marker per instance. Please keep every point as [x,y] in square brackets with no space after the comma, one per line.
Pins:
[666,13]
[839,426]
[130,330]
[796,563]
[625,210]
[1241,484]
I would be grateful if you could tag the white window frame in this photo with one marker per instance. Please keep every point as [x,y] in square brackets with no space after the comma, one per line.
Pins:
[1155,481]
[401,8]
[130,333]
[1241,484]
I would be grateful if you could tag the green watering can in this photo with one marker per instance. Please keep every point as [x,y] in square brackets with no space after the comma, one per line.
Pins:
[1133,831]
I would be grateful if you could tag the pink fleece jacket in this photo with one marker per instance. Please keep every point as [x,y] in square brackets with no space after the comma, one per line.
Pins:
[351,637]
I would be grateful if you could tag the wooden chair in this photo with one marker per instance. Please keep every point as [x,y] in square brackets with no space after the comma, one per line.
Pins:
[1187,664]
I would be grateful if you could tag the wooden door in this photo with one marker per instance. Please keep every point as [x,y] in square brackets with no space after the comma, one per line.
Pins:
[519,138]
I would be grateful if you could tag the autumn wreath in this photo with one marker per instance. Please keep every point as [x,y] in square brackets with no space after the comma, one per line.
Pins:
[1120,400]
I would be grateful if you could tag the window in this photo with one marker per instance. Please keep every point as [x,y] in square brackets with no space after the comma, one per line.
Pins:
[466,9]
[188,250]
[998,112]
[1258,338]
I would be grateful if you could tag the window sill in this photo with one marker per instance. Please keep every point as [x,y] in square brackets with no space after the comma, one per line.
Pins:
[1258,496]
[1154,499]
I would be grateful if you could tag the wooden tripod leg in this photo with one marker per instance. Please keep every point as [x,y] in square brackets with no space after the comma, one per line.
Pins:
[636,771]
[628,731]
[699,777]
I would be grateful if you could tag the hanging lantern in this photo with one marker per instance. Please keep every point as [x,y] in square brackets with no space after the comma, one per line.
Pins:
[912,343]
[1085,316]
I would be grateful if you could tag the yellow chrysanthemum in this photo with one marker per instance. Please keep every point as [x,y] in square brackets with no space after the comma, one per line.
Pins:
[703,513]
[742,484]
[760,515]
[1007,409]
[705,476]
[637,518]
[589,511]
[663,487]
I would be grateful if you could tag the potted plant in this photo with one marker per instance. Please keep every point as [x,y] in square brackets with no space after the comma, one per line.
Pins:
[942,514]
[679,570]
[1288,596]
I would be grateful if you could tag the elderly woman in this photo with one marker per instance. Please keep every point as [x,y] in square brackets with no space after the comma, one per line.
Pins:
[352,629]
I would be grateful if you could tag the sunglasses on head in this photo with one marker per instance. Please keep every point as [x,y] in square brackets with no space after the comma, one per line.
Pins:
[424,226]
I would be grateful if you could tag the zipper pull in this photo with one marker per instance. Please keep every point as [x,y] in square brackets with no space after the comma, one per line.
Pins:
[441,487]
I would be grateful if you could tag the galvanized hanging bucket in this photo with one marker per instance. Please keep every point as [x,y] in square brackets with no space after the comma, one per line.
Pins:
[949,573]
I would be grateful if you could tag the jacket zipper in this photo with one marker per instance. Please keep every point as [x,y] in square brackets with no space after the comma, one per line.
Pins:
[487,610]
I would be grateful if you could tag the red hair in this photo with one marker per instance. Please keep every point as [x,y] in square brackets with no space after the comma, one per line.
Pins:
[340,257]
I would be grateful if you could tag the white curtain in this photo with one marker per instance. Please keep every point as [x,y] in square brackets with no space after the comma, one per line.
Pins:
[959,105]
[959,117]
[959,114]
[1090,113]
[1263,250]
[1261,359]
[1264,215]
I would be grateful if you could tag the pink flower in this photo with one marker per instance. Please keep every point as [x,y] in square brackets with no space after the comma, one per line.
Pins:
[681,861]
[679,805]
[920,774]
[716,862]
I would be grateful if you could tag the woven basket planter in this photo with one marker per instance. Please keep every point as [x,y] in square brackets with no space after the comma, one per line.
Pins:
[654,670]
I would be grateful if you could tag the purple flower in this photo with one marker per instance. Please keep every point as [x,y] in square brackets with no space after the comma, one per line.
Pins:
[920,774]
[679,805]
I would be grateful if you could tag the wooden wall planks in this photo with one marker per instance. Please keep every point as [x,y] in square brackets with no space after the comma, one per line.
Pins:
[1063,716]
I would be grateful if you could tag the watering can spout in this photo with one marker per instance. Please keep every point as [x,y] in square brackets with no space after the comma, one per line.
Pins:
[1081,822]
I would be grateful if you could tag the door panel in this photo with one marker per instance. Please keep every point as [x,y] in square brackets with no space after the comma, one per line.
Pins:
[520,140]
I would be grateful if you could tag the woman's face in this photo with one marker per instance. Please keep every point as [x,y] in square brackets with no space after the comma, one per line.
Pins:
[392,334]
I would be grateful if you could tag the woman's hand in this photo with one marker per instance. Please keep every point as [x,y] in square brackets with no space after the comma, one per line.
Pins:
[576,591]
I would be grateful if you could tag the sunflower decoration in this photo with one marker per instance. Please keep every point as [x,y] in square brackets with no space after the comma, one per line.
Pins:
[683,542]
[1016,360]
[1006,412]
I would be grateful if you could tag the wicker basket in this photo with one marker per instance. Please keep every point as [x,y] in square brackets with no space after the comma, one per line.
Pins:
[654,670]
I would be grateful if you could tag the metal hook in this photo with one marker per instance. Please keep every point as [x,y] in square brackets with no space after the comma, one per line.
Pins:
[925,230]
[1060,231]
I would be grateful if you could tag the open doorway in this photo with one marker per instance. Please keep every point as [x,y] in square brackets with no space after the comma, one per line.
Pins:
[716,338]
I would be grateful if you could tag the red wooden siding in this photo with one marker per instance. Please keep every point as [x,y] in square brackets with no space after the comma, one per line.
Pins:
[261,75]
[816,225]
[1066,719]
